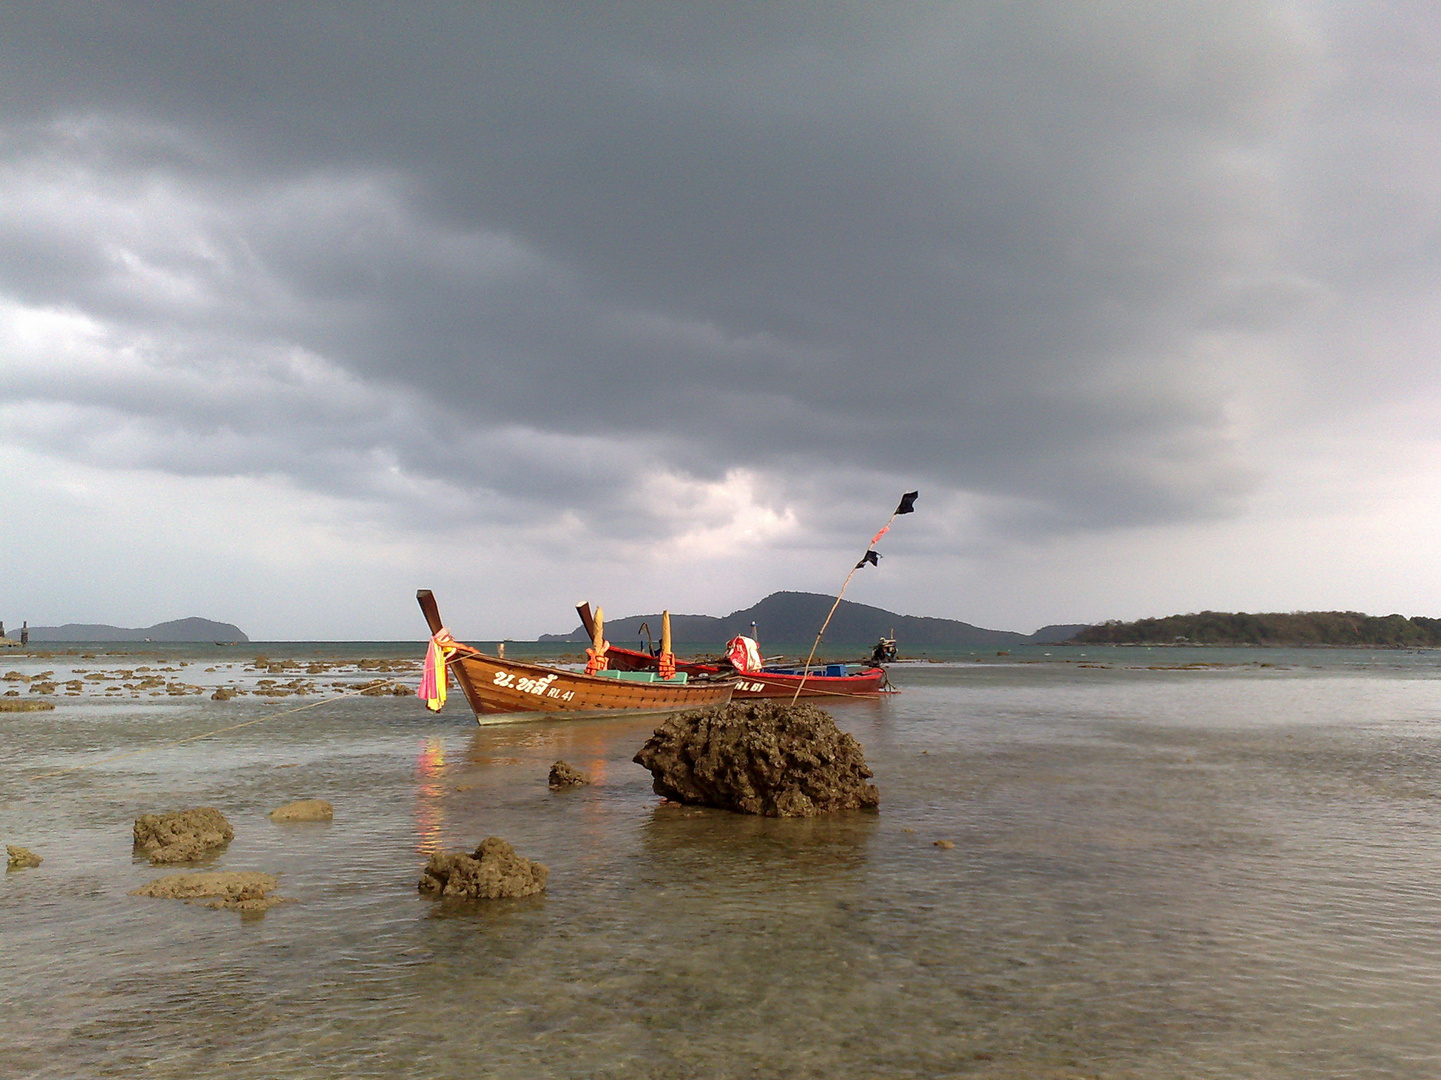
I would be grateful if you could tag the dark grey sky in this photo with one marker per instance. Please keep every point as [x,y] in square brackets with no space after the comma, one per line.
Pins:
[302,305]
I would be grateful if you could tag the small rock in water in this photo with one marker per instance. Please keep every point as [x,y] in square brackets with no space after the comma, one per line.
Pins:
[21,858]
[492,872]
[245,891]
[945,845]
[564,776]
[183,836]
[759,757]
[222,693]
[304,810]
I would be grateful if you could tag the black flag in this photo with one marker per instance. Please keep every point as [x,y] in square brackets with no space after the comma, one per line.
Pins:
[872,557]
[908,503]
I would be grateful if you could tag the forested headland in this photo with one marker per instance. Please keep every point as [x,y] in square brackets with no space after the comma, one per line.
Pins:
[1272,628]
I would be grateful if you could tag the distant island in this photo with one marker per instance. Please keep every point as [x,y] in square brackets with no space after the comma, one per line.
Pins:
[1276,628]
[792,618]
[193,629]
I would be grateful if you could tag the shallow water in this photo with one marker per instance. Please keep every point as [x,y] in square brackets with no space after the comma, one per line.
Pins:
[1157,871]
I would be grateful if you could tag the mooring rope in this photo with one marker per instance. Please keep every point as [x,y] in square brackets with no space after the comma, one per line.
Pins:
[191,738]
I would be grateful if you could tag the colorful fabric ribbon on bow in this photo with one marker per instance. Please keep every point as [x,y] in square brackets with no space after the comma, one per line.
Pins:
[433,681]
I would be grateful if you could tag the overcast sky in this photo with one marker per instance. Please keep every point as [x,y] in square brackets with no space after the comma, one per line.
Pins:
[303,307]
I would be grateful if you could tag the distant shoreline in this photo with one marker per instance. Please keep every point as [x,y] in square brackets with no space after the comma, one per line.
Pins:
[1292,630]
[1241,645]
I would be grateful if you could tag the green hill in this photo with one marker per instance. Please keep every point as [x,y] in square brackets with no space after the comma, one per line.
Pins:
[792,619]
[192,629]
[1274,628]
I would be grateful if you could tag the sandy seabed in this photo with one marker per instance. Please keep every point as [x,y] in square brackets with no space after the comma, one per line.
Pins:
[1181,873]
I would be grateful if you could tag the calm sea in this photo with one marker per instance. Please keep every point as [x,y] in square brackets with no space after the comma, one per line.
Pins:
[1167,863]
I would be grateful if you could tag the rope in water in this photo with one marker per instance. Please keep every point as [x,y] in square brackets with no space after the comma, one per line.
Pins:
[190,738]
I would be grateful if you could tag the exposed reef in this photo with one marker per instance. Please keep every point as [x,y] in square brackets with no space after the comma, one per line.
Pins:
[182,836]
[304,810]
[492,872]
[20,858]
[240,890]
[772,759]
[563,775]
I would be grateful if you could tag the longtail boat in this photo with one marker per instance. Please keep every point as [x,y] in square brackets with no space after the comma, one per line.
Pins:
[753,680]
[494,685]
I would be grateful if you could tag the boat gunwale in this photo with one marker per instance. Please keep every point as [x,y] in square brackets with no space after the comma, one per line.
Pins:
[470,651]
[870,681]
[487,707]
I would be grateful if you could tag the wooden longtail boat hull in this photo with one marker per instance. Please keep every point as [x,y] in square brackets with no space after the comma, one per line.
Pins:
[765,684]
[494,685]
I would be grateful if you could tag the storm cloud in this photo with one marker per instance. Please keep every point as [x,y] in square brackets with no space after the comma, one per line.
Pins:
[580,276]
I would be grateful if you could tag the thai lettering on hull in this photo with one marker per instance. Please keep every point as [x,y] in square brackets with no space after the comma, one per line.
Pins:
[538,687]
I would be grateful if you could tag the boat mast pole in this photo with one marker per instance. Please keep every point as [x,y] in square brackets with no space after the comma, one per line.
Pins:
[665,664]
[596,658]
[907,506]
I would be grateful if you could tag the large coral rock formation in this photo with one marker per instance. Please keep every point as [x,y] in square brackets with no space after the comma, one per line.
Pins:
[183,836]
[563,775]
[304,810]
[493,872]
[241,890]
[772,759]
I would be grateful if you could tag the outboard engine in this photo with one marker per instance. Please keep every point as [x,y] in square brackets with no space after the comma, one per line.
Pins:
[884,652]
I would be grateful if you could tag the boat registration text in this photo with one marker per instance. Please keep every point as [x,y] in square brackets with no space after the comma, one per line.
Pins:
[539,687]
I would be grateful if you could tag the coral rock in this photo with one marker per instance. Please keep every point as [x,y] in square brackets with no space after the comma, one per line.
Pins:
[564,776]
[304,810]
[772,759]
[240,890]
[183,836]
[21,858]
[492,872]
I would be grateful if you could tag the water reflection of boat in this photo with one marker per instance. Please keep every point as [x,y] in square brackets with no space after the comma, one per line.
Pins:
[430,797]
[495,685]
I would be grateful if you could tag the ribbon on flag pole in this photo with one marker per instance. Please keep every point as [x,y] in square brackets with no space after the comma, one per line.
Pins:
[872,556]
